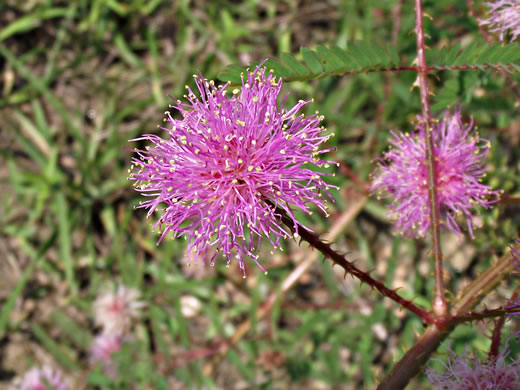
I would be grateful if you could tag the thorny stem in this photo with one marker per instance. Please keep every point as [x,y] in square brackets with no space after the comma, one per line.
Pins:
[351,269]
[480,315]
[496,337]
[429,341]
[439,305]
[485,283]
[508,199]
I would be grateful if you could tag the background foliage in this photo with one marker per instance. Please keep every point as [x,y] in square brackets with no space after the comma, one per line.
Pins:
[80,78]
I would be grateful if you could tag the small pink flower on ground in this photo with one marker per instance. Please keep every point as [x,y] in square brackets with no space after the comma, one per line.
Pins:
[115,308]
[44,378]
[228,164]
[504,18]
[102,349]
[459,164]
[467,373]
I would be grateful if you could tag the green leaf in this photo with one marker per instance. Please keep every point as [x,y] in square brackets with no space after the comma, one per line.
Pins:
[512,54]
[296,66]
[466,54]
[436,56]
[344,57]
[372,55]
[61,207]
[496,54]
[324,61]
[8,306]
[36,261]
[53,347]
[312,60]
[359,54]
[41,87]
[328,59]
[98,378]
[278,68]
[78,335]
[384,59]
[33,132]
[232,74]
[392,52]
[126,53]
[452,55]
[476,56]
[488,53]
[238,362]
[27,23]
[447,95]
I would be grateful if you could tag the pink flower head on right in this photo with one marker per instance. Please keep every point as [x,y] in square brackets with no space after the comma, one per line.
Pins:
[459,156]
[504,18]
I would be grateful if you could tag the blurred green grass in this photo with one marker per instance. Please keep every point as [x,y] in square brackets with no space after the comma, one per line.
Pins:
[79,79]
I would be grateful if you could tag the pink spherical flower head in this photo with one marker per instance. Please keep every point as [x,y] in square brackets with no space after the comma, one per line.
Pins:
[44,378]
[467,373]
[225,168]
[459,165]
[102,349]
[115,308]
[504,18]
